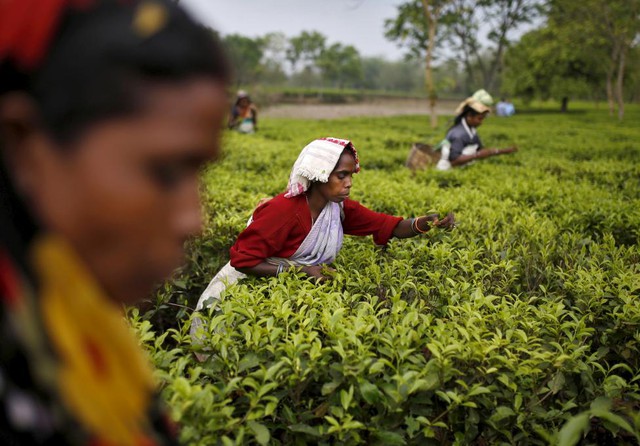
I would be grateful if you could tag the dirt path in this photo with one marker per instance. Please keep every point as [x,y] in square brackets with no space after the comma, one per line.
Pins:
[393,107]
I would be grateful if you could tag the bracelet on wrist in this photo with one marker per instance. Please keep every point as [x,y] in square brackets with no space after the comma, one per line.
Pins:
[413,222]
[416,228]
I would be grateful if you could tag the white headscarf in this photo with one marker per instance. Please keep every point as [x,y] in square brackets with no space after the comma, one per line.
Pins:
[316,162]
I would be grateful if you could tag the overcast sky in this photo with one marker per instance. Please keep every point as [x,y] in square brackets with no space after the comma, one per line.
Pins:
[350,22]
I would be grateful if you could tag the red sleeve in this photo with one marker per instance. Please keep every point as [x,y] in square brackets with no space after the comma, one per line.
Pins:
[358,220]
[277,230]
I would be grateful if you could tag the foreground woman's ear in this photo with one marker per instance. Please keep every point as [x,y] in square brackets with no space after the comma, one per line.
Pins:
[17,120]
[19,135]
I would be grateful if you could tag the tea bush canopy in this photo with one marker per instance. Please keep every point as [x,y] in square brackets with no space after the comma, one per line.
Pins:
[522,326]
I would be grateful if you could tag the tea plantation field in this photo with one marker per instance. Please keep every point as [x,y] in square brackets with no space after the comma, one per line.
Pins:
[519,327]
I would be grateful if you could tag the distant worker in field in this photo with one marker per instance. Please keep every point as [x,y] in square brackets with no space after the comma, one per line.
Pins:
[303,227]
[244,114]
[505,108]
[462,144]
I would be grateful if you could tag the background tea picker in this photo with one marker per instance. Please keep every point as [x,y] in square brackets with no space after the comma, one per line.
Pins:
[462,144]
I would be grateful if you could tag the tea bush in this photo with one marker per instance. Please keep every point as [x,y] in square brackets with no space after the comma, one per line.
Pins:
[521,326]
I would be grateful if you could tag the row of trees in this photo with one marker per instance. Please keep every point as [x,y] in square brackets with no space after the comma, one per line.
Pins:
[309,60]
[586,49]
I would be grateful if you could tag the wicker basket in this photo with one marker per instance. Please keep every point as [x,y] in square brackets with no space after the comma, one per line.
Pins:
[421,156]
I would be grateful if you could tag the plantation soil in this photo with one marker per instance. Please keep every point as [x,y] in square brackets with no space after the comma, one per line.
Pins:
[391,107]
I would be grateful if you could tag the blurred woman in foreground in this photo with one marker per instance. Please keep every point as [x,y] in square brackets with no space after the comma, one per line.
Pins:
[107,111]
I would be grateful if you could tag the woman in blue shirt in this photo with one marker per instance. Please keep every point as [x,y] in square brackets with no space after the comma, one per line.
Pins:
[462,144]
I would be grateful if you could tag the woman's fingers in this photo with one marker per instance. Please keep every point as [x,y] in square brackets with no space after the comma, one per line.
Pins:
[447,222]
[317,272]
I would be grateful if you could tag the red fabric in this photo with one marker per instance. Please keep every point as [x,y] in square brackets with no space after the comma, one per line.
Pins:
[281,224]
[9,286]
[27,27]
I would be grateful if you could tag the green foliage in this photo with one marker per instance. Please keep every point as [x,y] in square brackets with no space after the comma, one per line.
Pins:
[341,65]
[578,426]
[500,17]
[410,27]
[305,48]
[583,50]
[245,54]
[543,65]
[522,326]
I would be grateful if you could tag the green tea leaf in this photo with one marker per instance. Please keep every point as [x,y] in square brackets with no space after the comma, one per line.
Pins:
[573,430]
[260,431]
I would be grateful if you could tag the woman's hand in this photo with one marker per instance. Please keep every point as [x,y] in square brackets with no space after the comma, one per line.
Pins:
[317,272]
[486,153]
[448,222]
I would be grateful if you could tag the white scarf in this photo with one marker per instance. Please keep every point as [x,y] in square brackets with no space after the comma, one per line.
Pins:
[316,162]
[321,245]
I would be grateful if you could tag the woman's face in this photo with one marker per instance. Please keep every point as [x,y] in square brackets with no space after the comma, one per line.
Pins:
[125,193]
[338,187]
[476,120]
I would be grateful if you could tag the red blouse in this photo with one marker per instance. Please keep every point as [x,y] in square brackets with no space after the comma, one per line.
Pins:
[281,224]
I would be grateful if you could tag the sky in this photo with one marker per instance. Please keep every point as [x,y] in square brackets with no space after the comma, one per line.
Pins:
[359,23]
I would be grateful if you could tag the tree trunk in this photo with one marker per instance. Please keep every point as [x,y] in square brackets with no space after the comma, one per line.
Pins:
[611,71]
[432,23]
[619,91]
[431,90]
[467,64]
[496,66]
[610,100]
[564,105]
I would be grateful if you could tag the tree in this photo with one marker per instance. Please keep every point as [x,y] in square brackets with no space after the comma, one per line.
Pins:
[245,55]
[543,65]
[463,36]
[613,30]
[341,65]
[305,48]
[274,46]
[501,17]
[380,74]
[417,28]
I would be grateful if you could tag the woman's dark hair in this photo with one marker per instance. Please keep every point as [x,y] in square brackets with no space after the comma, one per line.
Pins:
[100,55]
[466,111]
[350,150]
[240,98]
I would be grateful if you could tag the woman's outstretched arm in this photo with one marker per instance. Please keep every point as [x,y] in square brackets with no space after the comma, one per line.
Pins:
[482,153]
[411,227]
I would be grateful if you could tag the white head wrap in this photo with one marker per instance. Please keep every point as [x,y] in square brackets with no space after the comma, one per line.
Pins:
[316,162]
